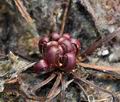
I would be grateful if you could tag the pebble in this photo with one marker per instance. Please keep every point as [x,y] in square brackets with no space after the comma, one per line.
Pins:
[103,52]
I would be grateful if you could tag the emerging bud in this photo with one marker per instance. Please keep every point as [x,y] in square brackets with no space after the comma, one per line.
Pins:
[40,66]
[61,39]
[44,39]
[57,51]
[67,35]
[42,43]
[66,45]
[61,50]
[76,44]
[55,36]
[52,56]
[69,61]
[52,43]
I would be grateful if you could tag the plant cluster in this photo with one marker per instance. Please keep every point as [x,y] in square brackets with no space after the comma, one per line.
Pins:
[57,52]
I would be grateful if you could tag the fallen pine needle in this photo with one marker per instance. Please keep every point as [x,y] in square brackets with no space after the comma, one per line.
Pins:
[102,68]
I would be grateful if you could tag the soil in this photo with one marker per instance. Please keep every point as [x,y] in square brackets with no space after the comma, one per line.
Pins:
[17,36]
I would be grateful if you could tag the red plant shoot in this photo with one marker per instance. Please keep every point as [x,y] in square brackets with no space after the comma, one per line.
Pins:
[58,52]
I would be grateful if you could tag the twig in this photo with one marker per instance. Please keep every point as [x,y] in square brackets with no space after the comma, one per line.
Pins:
[77,76]
[115,99]
[99,43]
[64,17]
[81,87]
[101,68]
[24,89]
[44,82]
[57,91]
[11,81]
[23,11]
[66,84]
[62,95]
[55,86]
[87,4]
[115,72]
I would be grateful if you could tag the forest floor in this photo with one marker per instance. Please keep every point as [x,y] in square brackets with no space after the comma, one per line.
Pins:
[94,22]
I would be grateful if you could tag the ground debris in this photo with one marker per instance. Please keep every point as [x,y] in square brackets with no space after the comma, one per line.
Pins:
[12,68]
[87,20]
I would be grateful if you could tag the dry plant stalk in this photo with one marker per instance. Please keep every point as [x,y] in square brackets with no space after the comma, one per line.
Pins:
[93,47]
[64,17]
[32,27]
[102,68]
[89,7]
[55,86]
[99,43]
[52,76]
[23,11]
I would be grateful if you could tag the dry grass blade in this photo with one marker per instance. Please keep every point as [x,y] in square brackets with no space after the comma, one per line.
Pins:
[64,17]
[44,82]
[65,86]
[89,7]
[29,65]
[55,86]
[62,95]
[24,90]
[11,81]
[18,87]
[23,11]
[77,76]
[57,91]
[86,95]
[30,23]
[101,68]
[115,99]
[99,43]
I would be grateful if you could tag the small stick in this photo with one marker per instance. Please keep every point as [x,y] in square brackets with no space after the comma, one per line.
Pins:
[59,89]
[55,86]
[62,95]
[114,97]
[64,17]
[24,89]
[81,87]
[77,76]
[51,77]
[98,43]
[101,68]
[23,11]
